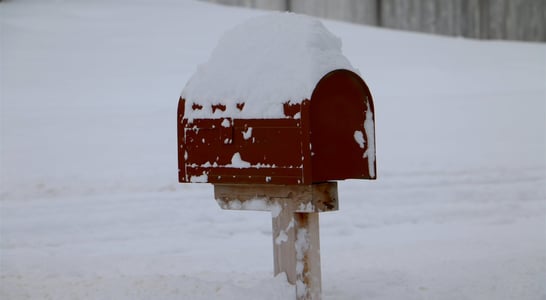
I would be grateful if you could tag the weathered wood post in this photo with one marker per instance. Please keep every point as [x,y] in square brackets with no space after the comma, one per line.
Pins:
[283,152]
[295,212]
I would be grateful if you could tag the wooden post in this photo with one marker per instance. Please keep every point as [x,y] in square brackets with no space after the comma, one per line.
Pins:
[294,209]
[296,250]
[283,242]
[308,275]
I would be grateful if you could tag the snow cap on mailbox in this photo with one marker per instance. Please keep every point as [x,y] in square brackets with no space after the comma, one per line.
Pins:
[276,103]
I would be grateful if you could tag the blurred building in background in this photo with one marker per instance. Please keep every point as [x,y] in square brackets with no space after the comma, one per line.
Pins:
[484,19]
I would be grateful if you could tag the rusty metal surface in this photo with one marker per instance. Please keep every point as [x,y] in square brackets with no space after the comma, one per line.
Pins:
[317,146]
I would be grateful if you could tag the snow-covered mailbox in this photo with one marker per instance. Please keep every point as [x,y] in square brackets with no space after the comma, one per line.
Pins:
[272,119]
[328,135]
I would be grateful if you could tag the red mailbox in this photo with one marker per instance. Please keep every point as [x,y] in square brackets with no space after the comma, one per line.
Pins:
[327,137]
[272,119]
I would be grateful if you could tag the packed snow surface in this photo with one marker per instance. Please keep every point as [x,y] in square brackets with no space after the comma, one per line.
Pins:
[264,62]
[90,207]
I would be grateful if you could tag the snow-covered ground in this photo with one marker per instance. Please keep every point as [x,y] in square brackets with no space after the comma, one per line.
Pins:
[90,205]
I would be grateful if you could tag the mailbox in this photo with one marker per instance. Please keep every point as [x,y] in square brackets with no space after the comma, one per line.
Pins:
[329,136]
[273,118]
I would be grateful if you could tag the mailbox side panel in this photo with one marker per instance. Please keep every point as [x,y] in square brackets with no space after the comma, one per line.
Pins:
[247,151]
[342,128]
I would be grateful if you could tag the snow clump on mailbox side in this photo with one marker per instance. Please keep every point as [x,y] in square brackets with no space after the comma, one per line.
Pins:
[263,63]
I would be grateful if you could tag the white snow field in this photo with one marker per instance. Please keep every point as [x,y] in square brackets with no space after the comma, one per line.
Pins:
[90,205]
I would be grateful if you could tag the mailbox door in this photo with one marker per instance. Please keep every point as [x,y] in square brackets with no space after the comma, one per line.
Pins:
[340,141]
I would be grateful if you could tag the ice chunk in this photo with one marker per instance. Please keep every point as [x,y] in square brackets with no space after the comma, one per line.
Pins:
[237,162]
[359,138]
[247,134]
[370,135]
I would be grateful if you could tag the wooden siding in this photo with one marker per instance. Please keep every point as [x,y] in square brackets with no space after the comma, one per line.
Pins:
[484,19]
